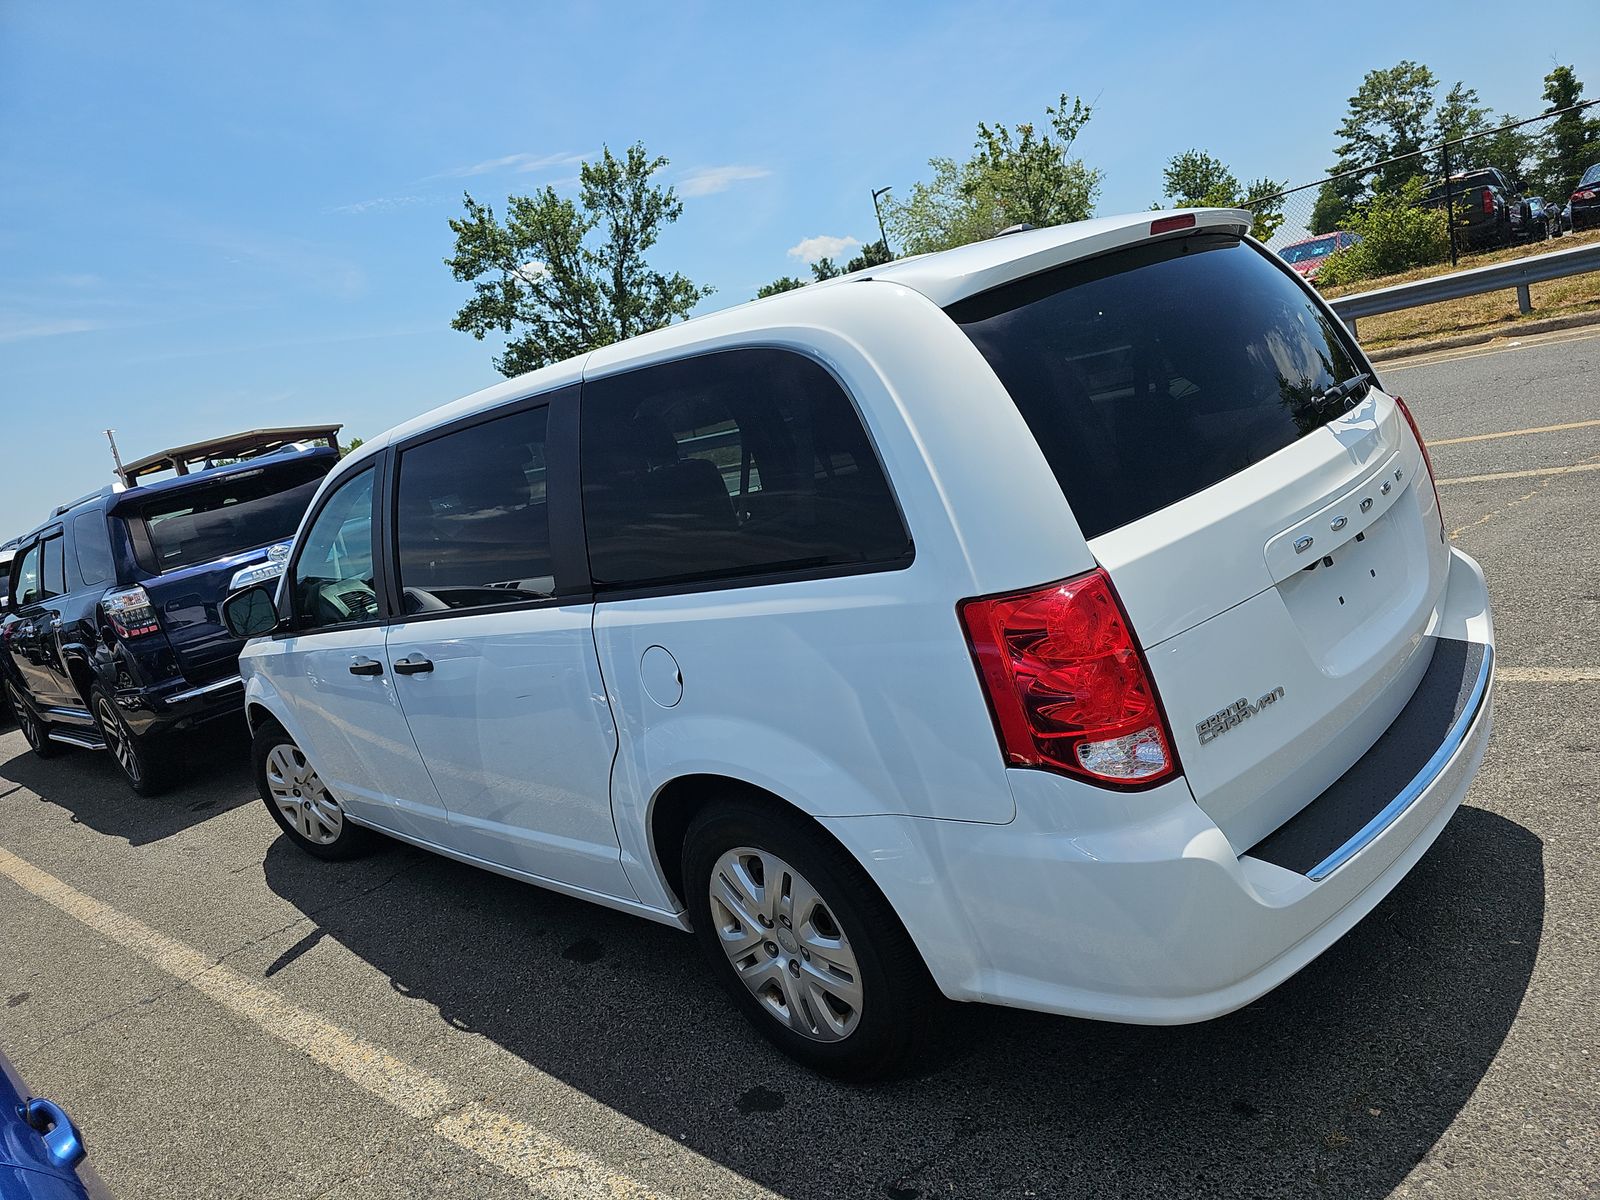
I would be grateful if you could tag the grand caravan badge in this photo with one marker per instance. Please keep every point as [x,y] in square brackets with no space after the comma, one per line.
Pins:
[1219,723]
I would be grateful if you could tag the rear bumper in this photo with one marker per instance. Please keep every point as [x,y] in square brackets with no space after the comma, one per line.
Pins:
[1135,907]
[178,704]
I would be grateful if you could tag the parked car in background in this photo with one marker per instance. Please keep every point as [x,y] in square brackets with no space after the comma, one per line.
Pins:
[1544,218]
[1307,256]
[116,640]
[1566,216]
[1063,621]
[1585,202]
[1487,208]
[7,553]
[42,1154]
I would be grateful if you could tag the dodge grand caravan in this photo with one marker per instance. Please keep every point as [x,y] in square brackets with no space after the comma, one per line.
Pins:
[1064,621]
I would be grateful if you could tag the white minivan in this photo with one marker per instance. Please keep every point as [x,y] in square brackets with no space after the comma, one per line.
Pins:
[1064,621]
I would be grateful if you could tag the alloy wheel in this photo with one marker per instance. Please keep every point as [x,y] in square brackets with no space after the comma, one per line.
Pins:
[300,795]
[119,739]
[785,944]
[31,730]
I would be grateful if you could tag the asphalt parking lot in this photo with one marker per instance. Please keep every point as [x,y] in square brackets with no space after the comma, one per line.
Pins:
[227,1017]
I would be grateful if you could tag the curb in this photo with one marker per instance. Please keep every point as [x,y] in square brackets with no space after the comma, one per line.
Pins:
[1549,325]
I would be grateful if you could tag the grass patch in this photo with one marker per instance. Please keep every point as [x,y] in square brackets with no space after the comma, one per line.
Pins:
[1483,313]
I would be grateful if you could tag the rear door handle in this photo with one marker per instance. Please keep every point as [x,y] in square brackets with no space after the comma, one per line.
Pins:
[413,664]
[365,666]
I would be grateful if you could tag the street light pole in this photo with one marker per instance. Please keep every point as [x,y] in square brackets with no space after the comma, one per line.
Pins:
[882,233]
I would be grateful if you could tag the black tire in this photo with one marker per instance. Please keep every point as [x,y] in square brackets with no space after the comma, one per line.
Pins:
[35,731]
[145,760]
[899,1003]
[349,841]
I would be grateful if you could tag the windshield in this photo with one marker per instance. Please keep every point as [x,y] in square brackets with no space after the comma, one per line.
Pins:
[1301,251]
[1149,374]
[231,515]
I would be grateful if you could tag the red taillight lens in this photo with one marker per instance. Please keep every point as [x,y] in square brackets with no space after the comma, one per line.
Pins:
[1488,200]
[1068,687]
[1427,459]
[1168,224]
[1583,195]
[130,612]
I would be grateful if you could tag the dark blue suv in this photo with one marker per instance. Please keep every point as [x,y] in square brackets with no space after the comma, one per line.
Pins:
[112,639]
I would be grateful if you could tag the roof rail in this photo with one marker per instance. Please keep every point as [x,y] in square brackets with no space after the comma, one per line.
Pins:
[72,504]
[252,443]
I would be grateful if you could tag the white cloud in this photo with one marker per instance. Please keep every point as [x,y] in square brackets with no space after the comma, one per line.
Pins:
[703,181]
[517,163]
[379,204]
[810,249]
[17,328]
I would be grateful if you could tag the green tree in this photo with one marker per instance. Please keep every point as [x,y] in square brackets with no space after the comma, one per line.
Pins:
[1196,179]
[1458,116]
[784,283]
[1510,149]
[873,254]
[560,278]
[1386,118]
[351,446]
[1397,233]
[1016,175]
[1572,140]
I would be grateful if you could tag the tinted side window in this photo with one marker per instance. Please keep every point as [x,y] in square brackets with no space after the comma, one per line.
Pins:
[334,580]
[472,522]
[28,577]
[91,545]
[744,462]
[54,568]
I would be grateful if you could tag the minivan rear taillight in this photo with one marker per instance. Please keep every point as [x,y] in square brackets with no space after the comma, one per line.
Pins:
[130,612]
[1066,684]
[1427,459]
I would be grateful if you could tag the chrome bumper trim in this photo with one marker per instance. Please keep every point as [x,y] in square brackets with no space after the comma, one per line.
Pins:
[1392,811]
[195,693]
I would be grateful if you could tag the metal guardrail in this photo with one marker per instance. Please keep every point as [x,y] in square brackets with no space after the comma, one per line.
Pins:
[1518,273]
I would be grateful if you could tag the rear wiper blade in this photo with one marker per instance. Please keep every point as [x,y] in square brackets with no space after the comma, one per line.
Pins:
[1345,395]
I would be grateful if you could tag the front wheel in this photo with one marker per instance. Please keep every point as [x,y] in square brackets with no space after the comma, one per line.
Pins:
[299,801]
[804,943]
[35,731]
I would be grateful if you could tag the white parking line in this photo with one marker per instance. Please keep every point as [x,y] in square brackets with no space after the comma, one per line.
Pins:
[1548,674]
[547,1165]
[1483,350]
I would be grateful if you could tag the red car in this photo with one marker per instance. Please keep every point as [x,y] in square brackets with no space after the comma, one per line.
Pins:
[1308,256]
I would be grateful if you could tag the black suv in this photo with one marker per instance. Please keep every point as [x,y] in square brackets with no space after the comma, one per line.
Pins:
[112,638]
[1488,208]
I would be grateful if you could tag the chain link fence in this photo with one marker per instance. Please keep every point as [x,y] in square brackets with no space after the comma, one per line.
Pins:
[1450,202]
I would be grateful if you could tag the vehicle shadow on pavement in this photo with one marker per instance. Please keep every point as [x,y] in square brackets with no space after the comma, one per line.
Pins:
[88,784]
[1338,1082]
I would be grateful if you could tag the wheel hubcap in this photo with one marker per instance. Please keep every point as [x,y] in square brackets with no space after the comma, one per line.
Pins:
[118,740]
[785,944]
[300,796]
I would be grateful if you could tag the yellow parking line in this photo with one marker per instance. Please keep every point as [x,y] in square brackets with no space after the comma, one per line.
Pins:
[1531,341]
[1528,474]
[547,1165]
[1489,437]
[1548,674]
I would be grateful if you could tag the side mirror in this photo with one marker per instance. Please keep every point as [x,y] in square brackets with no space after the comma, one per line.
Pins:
[250,613]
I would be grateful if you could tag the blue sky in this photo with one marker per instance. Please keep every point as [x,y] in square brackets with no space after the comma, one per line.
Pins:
[216,217]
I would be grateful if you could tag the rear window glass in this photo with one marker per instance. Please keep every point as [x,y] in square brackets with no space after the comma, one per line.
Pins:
[1152,373]
[1592,175]
[241,512]
[1301,251]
